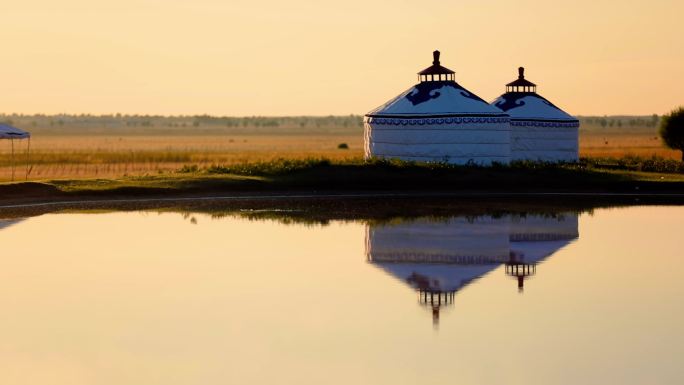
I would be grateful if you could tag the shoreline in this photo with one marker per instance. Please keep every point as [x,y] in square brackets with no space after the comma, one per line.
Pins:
[323,206]
[309,183]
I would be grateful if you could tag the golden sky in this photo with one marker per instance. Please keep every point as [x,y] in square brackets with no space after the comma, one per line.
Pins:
[271,57]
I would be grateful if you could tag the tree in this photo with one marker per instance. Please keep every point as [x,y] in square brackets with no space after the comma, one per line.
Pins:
[672,130]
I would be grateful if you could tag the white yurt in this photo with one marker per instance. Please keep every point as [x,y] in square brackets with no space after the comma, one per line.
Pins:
[437,120]
[540,131]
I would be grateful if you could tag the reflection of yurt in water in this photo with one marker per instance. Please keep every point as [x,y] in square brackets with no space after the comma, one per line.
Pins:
[534,238]
[438,258]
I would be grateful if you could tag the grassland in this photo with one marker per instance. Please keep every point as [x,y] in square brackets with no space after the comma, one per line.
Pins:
[341,184]
[116,146]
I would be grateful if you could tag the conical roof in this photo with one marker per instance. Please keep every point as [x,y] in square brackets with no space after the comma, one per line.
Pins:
[437,95]
[522,102]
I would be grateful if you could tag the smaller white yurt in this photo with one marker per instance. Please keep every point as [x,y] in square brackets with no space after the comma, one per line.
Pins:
[540,131]
[438,120]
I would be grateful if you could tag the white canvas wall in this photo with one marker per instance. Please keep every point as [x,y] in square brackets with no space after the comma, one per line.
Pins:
[480,143]
[548,144]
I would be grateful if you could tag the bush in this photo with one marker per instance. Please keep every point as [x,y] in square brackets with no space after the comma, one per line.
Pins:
[343,146]
[635,163]
[188,169]
[273,167]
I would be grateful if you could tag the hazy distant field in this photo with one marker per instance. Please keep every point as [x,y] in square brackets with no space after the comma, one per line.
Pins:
[114,146]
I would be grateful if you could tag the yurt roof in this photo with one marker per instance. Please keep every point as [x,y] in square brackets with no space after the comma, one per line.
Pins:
[9,132]
[529,105]
[436,98]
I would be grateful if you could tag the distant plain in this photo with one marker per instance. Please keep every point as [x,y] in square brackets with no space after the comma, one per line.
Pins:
[84,146]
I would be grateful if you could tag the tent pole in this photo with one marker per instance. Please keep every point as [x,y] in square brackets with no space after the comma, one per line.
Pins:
[12,141]
[28,157]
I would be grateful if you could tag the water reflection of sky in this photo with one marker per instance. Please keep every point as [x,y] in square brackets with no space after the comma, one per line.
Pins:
[151,298]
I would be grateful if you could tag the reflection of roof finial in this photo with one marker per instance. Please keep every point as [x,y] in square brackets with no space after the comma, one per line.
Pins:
[521,72]
[518,269]
[435,58]
[435,317]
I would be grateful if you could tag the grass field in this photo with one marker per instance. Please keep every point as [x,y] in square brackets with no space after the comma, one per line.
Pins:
[616,145]
[341,182]
[111,147]
[102,156]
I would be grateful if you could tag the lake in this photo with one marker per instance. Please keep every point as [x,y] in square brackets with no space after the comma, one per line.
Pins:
[163,297]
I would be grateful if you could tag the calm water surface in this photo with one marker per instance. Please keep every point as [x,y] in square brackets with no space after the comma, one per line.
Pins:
[165,298]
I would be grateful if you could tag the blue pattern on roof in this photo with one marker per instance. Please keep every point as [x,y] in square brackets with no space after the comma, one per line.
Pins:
[425,91]
[512,100]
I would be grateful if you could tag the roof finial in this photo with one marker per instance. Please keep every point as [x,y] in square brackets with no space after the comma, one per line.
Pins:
[521,72]
[435,57]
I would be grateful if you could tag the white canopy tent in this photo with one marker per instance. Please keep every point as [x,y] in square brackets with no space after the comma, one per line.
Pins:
[12,133]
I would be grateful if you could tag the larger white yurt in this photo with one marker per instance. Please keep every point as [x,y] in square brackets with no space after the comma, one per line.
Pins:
[540,131]
[438,120]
